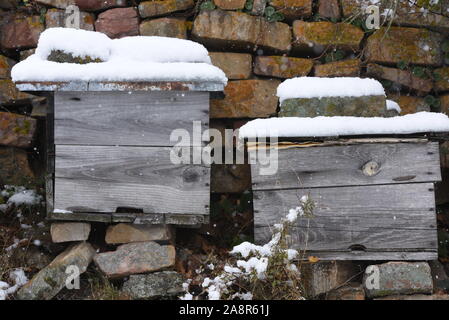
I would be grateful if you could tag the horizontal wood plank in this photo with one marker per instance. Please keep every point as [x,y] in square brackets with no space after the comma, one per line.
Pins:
[344,166]
[377,218]
[119,118]
[102,179]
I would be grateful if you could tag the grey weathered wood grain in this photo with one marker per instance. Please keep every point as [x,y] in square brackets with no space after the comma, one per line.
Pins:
[102,179]
[373,255]
[342,166]
[119,118]
[392,217]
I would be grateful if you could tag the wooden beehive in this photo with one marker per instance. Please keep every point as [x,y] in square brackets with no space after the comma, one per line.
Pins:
[374,198]
[109,152]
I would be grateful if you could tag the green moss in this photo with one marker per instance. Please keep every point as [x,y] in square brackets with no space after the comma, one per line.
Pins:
[61,57]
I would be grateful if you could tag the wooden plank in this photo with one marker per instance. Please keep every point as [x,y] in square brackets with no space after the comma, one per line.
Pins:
[379,218]
[119,118]
[120,86]
[373,255]
[103,178]
[343,166]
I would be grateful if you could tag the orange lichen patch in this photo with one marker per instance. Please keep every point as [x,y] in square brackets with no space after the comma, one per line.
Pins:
[344,68]
[282,67]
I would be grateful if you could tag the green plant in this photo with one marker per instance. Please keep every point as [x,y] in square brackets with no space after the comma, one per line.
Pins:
[432,101]
[272,15]
[334,55]
[207,5]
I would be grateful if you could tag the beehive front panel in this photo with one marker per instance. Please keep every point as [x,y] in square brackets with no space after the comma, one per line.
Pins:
[113,152]
[356,216]
[129,119]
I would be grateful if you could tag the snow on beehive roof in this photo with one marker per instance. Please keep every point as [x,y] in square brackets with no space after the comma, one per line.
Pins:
[315,87]
[421,122]
[137,58]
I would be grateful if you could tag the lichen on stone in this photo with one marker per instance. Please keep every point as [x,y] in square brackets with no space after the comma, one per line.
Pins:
[61,57]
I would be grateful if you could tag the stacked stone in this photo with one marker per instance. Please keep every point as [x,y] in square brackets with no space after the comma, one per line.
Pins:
[144,258]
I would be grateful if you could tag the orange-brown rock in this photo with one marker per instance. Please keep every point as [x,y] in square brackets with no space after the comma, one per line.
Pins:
[315,37]
[293,9]
[20,32]
[442,82]
[162,7]
[247,99]
[329,9]
[95,5]
[444,100]
[403,77]
[164,27]
[118,22]
[411,45]
[9,95]
[410,104]
[236,66]
[344,68]
[282,67]
[230,4]
[239,30]
[16,130]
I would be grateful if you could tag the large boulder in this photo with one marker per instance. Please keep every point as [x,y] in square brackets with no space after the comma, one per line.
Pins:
[239,30]
[246,99]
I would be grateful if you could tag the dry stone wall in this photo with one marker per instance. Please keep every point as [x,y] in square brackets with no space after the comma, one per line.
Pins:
[256,42]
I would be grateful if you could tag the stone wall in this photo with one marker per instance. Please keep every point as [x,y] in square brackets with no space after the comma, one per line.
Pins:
[257,43]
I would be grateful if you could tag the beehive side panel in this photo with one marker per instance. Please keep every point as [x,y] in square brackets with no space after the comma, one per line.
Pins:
[344,166]
[102,179]
[377,218]
[137,119]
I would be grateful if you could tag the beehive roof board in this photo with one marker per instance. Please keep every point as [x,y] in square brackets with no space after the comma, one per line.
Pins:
[130,59]
[421,122]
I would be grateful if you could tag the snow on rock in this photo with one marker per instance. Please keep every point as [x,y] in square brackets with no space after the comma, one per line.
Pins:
[316,87]
[130,59]
[392,105]
[77,42]
[421,122]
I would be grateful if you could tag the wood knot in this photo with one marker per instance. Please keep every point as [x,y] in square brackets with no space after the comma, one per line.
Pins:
[371,168]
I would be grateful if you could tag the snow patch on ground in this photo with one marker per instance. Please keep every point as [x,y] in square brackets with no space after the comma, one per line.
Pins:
[18,278]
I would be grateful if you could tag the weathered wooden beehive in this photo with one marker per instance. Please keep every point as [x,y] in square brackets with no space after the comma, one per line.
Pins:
[109,152]
[373,200]
[109,142]
[373,193]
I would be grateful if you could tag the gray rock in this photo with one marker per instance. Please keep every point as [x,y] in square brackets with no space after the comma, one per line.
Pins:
[50,280]
[69,231]
[134,258]
[154,285]
[397,278]
[365,106]
[417,297]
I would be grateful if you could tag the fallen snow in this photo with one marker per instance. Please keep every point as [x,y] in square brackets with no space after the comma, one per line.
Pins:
[421,122]
[393,105]
[316,87]
[22,196]
[137,58]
